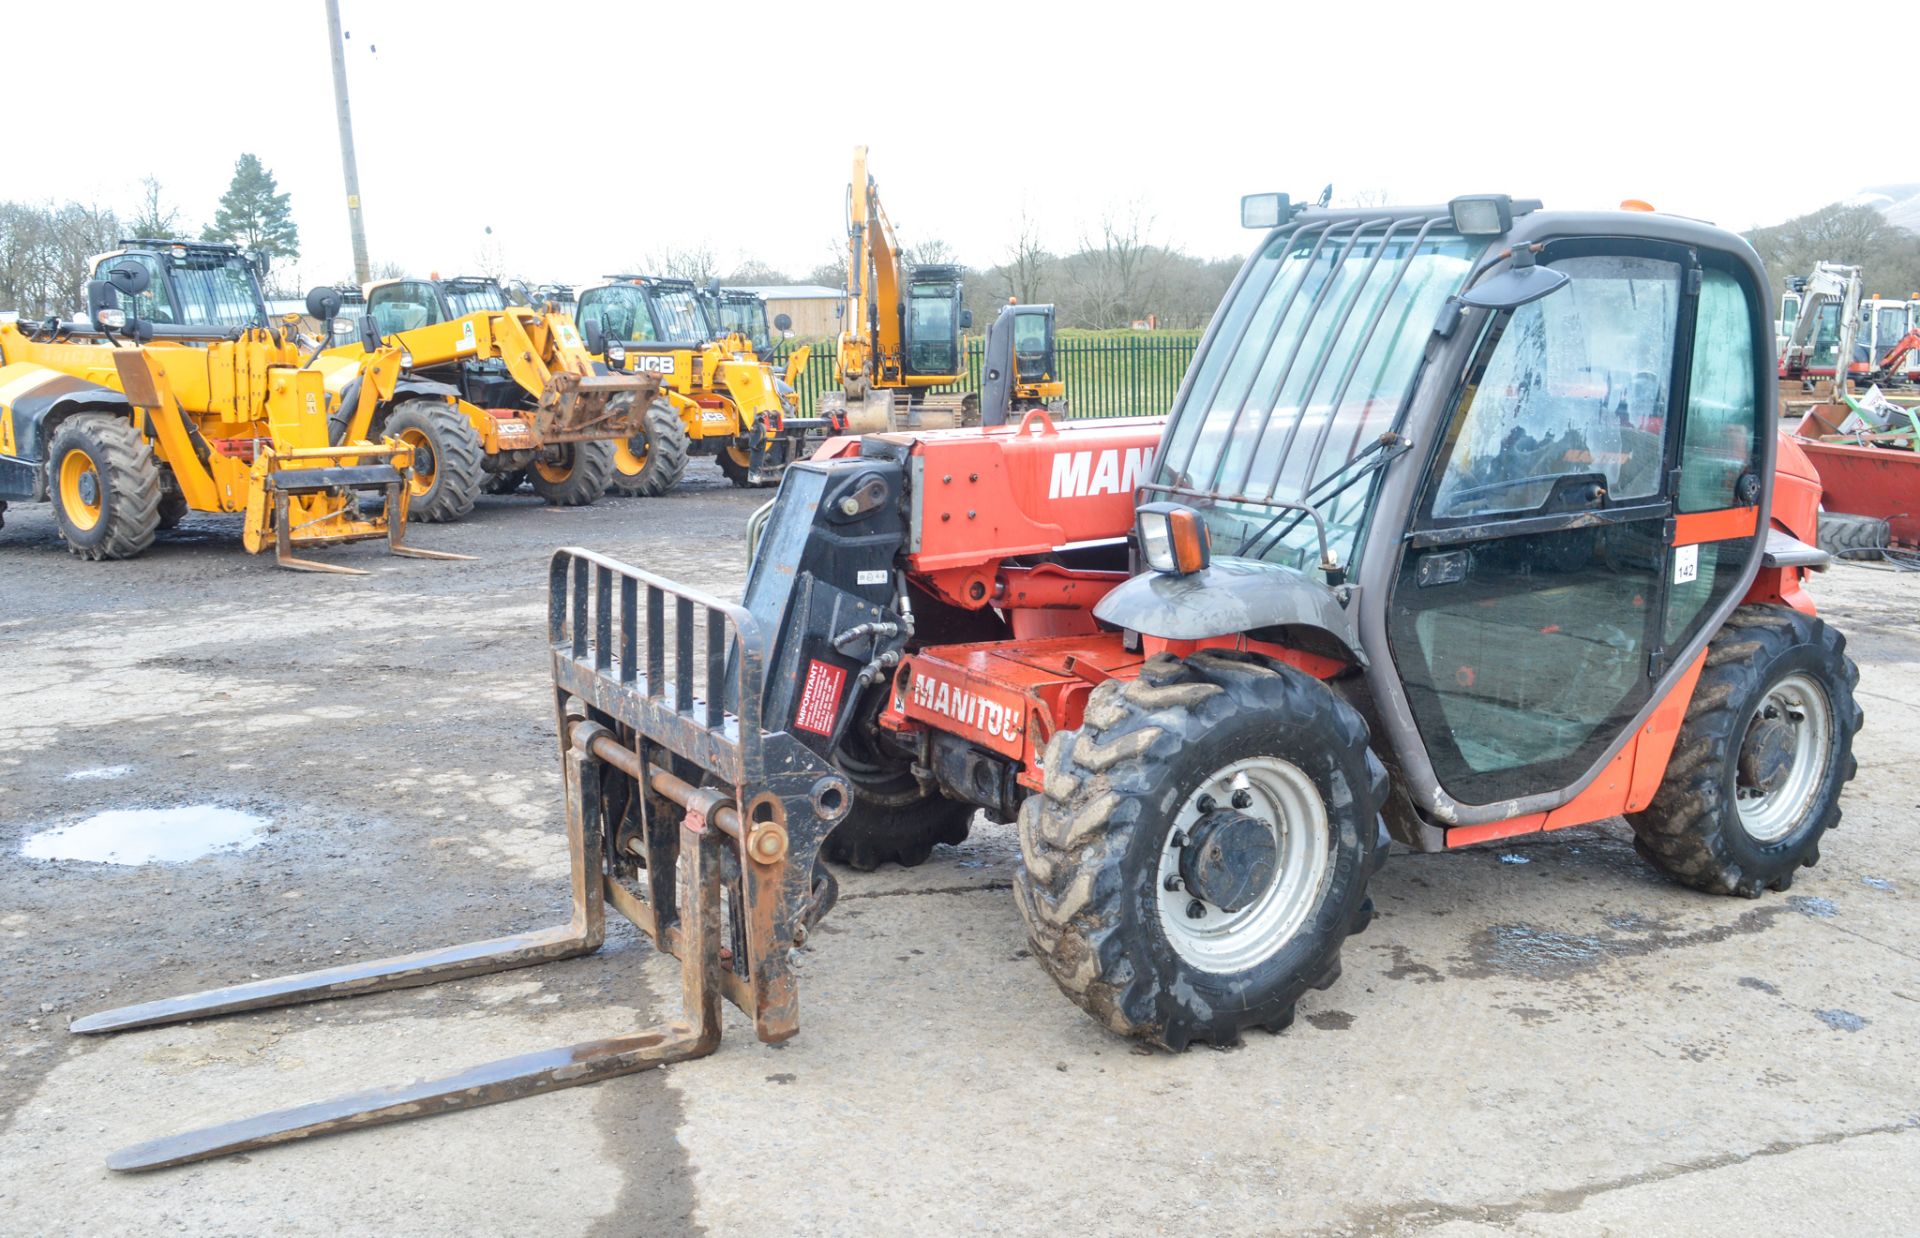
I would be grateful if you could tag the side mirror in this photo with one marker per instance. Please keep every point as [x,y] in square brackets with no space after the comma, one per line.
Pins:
[966,320]
[783,322]
[840,311]
[258,261]
[130,278]
[596,337]
[713,286]
[103,306]
[323,304]
[1523,282]
[369,333]
[516,292]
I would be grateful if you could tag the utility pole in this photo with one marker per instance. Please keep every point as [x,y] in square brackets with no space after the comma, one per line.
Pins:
[362,270]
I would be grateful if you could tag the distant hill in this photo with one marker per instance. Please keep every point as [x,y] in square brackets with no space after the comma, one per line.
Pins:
[1900,204]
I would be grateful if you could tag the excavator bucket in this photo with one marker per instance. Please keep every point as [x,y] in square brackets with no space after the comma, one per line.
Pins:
[681,813]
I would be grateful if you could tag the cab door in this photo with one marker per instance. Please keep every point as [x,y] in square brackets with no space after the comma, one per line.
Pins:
[1546,575]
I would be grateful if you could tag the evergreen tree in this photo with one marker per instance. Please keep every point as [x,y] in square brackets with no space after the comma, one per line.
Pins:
[252,215]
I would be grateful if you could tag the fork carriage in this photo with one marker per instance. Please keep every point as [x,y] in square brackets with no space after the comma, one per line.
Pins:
[682,814]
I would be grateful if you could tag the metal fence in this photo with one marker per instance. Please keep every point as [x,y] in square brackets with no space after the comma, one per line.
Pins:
[1106,376]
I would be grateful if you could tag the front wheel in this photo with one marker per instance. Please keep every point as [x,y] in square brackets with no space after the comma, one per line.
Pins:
[1202,848]
[573,474]
[106,487]
[444,479]
[651,463]
[1756,772]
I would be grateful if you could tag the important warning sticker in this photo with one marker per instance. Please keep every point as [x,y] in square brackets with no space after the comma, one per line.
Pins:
[820,698]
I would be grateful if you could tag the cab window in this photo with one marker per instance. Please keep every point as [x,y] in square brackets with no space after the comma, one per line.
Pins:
[405,306]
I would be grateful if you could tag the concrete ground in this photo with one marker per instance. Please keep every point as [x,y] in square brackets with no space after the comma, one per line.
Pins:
[1545,1037]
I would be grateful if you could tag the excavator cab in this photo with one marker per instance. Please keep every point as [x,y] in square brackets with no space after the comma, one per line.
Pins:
[934,320]
[193,288]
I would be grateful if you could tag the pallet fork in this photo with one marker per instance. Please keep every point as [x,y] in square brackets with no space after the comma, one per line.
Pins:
[681,813]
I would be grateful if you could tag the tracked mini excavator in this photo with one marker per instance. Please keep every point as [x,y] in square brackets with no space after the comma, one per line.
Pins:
[900,334]
[179,393]
[1469,522]
[1020,370]
[495,394]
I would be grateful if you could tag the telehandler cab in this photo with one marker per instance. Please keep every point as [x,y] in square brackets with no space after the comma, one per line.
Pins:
[1469,521]
[717,396]
[496,393]
[180,394]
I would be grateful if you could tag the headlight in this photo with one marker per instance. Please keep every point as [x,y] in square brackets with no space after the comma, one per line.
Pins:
[1481,214]
[110,320]
[616,354]
[406,359]
[342,328]
[1173,538]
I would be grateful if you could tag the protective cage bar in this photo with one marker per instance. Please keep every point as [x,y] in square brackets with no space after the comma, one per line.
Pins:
[721,877]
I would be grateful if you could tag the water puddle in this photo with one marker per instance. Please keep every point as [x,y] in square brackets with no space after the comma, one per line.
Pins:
[148,835]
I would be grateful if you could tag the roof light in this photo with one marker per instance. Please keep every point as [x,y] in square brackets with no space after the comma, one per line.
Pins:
[1481,214]
[1264,210]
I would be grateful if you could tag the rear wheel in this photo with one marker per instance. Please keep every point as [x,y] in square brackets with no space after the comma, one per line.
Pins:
[572,474]
[106,487]
[1846,536]
[447,459]
[173,509]
[1756,772]
[1202,848]
[651,463]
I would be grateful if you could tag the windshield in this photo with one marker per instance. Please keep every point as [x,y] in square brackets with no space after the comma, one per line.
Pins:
[620,310]
[216,294]
[1030,344]
[1892,325]
[1308,365]
[679,315]
[745,317]
[930,330]
[476,298]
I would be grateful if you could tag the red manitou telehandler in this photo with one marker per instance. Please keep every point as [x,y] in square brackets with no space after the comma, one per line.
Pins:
[1468,521]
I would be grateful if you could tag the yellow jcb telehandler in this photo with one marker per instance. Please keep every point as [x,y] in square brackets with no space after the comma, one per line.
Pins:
[717,396]
[494,394]
[180,394]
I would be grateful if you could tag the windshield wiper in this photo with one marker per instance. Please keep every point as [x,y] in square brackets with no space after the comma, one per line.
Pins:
[1374,457]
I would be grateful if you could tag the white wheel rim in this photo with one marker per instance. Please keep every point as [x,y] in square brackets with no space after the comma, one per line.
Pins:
[1224,942]
[1769,816]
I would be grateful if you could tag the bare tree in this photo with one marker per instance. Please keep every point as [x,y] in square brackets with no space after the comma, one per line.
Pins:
[931,252]
[1118,269]
[755,272]
[153,217]
[44,252]
[1027,264]
[694,262]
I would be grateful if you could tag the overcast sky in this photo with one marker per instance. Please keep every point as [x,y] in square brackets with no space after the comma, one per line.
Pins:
[588,134]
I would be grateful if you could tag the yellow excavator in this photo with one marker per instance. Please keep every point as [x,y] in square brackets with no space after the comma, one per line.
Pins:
[179,393]
[900,335]
[495,394]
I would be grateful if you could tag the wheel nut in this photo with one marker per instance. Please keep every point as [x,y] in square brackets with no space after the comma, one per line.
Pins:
[1205,804]
[1196,909]
[1172,883]
[1243,798]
